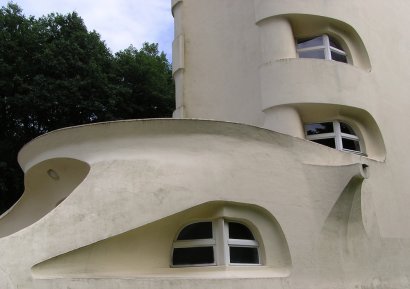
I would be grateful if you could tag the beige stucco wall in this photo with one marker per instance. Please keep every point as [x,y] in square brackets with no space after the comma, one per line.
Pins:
[324,218]
[240,65]
[143,177]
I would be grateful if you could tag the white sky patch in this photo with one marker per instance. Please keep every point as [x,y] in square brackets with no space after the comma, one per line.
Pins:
[119,22]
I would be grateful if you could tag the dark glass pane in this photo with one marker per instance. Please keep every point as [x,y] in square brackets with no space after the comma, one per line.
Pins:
[334,43]
[311,42]
[318,128]
[244,255]
[345,128]
[318,54]
[350,144]
[338,57]
[239,231]
[202,230]
[329,142]
[193,256]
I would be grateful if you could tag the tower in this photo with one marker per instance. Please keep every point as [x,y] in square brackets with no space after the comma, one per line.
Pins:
[284,165]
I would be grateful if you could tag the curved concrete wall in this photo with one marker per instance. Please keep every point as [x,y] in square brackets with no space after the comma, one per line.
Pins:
[148,175]
[146,251]
[240,62]
[343,216]
[47,184]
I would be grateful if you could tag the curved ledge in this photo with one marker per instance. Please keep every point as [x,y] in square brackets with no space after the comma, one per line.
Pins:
[131,139]
[47,184]
[314,81]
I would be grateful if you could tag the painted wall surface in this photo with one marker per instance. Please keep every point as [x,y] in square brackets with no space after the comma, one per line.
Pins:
[104,203]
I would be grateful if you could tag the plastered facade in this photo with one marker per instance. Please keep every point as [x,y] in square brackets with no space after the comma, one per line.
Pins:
[104,203]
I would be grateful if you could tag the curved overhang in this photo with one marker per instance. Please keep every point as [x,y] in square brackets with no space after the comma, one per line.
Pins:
[131,154]
[130,139]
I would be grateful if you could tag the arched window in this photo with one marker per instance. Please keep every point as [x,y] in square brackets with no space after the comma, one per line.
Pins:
[321,47]
[217,242]
[335,134]
[195,245]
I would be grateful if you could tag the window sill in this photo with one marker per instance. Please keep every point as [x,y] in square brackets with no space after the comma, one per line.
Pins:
[209,272]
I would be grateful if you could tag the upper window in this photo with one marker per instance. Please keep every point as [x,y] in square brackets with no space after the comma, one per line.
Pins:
[335,134]
[321,47]
[218,242]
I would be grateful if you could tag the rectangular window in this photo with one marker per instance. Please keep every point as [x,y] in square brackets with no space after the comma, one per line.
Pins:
[243,255]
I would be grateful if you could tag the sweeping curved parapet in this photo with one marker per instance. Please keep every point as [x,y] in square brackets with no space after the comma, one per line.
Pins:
[47,184]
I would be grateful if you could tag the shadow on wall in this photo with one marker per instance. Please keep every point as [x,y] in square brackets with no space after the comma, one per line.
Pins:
[47,184]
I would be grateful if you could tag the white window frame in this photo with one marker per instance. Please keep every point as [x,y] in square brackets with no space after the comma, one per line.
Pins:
[228,243]
[211,242]
[220,242]
[326,47]
[337,135]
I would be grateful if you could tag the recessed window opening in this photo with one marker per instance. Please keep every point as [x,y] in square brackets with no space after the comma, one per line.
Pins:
[217,242]
[321,47]
[335,134]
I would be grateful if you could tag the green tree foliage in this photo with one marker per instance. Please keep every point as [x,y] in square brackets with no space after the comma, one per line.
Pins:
[144,77]
[55,73]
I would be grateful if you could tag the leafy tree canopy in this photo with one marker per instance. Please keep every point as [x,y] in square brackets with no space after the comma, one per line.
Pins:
[55,73]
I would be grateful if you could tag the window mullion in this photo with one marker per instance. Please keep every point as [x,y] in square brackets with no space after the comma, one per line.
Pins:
[321,136]
[349,136]
[243,243]
[221,247]
[312,48]
[326,42]
[194,243]
[337,50]
[338,135]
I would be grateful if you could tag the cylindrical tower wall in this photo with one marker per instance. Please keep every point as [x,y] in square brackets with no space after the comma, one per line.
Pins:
[284,119]
[178,57]
[277,43]
[277,40]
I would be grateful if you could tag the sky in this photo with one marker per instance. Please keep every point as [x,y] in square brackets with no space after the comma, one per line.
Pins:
[119,22]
